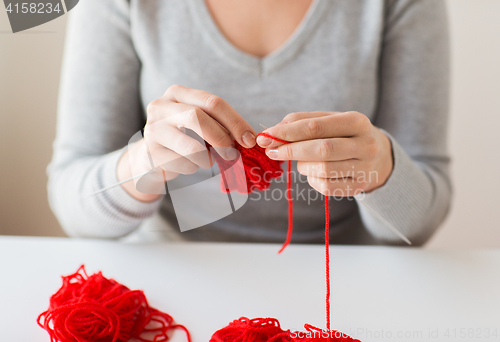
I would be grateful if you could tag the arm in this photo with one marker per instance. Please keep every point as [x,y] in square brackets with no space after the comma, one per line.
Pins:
[400,159]
[413,110]
[99,111]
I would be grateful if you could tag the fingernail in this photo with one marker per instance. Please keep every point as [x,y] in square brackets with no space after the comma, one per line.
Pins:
[272,154]
[248,139]
[227,153]
[231,153]
[264,141]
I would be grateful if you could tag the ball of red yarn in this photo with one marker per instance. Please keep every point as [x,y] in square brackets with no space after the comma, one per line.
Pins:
[269,330]
[96,309]
[251,330]
[256,172]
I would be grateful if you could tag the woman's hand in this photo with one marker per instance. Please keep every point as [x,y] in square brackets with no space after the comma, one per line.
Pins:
[342,154]
[209,116]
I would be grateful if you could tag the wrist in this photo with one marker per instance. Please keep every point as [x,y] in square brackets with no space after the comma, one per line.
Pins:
[385,162]
[124,171]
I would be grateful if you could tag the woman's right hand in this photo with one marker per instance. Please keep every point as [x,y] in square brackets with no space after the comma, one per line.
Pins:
[209,116]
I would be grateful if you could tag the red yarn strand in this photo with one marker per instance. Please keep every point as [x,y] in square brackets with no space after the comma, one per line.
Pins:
[257,156]
[290,206]
[290,230]
[273,138]
[327,261]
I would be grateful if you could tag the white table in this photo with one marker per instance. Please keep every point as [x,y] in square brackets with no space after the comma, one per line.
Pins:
[376,291]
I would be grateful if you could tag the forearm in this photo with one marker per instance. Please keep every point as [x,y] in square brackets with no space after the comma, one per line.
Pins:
[99,111]
[110,214]
[413,107]
[124,171]
[414,200]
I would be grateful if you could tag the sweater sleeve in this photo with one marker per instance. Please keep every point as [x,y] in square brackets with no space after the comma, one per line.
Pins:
[413,112]
[99,111]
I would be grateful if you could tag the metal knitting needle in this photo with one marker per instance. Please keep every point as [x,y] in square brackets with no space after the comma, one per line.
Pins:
[128,180]
[120,183]
[384,221]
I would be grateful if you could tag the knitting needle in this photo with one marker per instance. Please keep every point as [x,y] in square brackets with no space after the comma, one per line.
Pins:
[120,183]
[129,179]
[384,221]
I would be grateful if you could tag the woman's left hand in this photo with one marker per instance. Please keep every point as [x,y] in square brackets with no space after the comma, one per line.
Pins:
[342,154]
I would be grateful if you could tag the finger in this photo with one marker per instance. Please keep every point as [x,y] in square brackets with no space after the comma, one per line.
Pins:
[346,187]
[200,122]
[335,149]
[351,168]
[217,108]
[186,116]
[264,141]
[162,133]
[205,126]
[296,116]
[327,126]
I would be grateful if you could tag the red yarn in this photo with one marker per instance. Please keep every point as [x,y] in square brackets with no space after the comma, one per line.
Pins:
[269,330]
[264,134]
[257,173]
[290,206]
[327,260]
[96,309]
[250,330]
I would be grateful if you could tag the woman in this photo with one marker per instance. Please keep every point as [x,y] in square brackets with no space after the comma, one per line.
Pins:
[356,86]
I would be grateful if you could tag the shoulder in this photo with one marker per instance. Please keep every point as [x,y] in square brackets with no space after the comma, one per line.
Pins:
[415,14]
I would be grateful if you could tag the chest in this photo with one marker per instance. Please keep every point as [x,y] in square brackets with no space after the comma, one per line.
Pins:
[258,27]
[331,61]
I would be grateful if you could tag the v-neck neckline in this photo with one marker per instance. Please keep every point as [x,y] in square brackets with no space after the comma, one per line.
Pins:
[248,62]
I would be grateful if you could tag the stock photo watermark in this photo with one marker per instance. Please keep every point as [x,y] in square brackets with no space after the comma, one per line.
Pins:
[175,170]
[301,191]
[25,14]
[438,334]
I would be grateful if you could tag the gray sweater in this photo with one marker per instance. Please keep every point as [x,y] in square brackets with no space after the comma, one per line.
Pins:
[387,59]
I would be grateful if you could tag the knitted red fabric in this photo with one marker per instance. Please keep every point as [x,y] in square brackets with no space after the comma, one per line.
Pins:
[269,330]
[256,172]
[96,309]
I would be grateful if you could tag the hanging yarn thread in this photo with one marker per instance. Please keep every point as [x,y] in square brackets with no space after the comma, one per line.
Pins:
[256,162]
[96,309]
